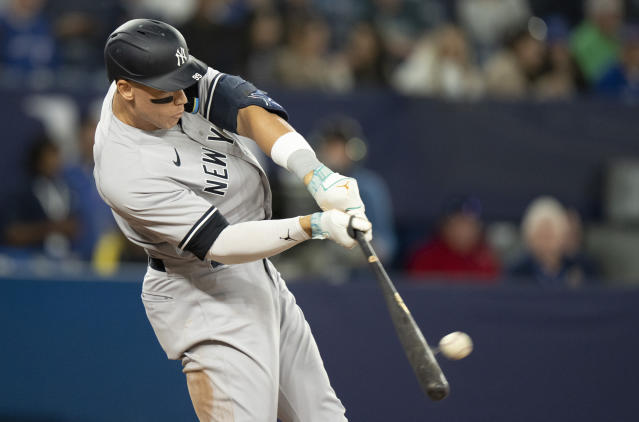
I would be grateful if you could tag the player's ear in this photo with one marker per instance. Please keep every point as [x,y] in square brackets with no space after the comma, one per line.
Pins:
[125,89]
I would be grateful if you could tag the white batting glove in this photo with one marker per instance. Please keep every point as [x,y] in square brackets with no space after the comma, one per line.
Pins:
[333,224]
[335,191]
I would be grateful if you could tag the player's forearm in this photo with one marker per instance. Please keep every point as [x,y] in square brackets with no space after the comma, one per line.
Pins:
[278,140]
[290,150]
[262,126]
[253,240]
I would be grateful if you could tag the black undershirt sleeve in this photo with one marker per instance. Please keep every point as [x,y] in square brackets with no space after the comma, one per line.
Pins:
[204,233]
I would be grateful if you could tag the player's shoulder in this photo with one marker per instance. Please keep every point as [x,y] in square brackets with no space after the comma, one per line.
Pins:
[205,84]
[126,168]
[116,171]
[131,163]
[209,77]
[211,74]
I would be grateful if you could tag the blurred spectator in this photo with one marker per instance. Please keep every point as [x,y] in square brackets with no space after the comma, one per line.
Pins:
[622,79]
[173,12]
[43,218]
[265,34]
[401,22]
[95,216]
[441,65]
[570,11]
[217,35]
[366,56]
[81,27]
[458,251]
[595,42]
[305,61]
[27,45]
[293,11]
[548,261]
[487,22]
[342,16]
[562,78]
[511,72]
[340,145]
[575,245]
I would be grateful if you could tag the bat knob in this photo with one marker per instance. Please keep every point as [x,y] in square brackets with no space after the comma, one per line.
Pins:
[438,391]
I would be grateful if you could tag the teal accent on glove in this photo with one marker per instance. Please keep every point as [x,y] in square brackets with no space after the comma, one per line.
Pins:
[319,175]
[316,227]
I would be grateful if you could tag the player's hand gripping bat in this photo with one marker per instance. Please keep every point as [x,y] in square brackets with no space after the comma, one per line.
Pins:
[421,358]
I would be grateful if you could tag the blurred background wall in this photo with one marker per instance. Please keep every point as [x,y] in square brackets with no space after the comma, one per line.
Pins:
[83,351]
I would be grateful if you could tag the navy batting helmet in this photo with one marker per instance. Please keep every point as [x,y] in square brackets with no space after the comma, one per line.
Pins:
[151,53]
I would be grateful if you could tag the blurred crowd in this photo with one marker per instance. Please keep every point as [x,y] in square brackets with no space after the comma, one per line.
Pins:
[61,217]
[549,252]
[461,50]
[452,49]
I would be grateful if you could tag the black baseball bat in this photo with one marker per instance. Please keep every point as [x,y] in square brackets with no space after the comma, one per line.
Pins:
[420,356]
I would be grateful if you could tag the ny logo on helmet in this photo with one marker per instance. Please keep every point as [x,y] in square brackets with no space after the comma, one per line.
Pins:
[181,56]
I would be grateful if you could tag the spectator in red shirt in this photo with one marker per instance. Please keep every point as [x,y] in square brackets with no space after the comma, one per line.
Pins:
[458,252]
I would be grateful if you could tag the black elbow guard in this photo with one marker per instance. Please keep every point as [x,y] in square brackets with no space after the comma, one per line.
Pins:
[229,94]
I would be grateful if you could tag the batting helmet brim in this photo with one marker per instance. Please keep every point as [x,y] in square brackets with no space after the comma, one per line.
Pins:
[188,74]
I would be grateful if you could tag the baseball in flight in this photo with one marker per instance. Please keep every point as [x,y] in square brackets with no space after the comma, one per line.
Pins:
[456,345]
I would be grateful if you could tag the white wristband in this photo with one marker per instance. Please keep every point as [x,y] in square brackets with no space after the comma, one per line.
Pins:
[286,145]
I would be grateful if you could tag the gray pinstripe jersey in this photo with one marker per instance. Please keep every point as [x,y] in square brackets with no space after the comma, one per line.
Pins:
[166,187]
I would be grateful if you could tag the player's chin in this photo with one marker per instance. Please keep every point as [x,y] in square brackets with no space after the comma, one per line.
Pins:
[171,121]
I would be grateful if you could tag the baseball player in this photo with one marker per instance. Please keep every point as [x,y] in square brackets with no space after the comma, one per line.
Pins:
[185,187]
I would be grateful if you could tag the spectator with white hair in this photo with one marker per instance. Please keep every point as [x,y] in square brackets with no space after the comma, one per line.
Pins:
[595,43]
[546,230]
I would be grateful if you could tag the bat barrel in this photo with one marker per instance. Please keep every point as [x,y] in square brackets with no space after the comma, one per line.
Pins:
[420,356]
